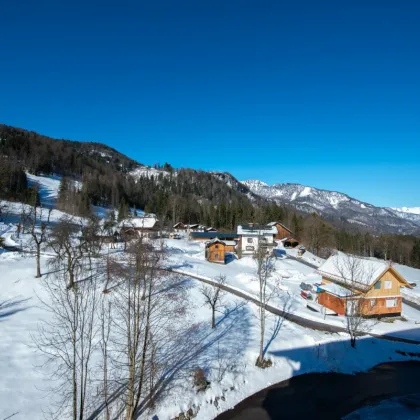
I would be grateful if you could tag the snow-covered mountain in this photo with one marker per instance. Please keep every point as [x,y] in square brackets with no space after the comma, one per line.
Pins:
[338,206]
[408,210]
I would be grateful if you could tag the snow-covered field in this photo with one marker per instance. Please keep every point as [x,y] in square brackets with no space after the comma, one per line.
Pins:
[240,273]
[227,354]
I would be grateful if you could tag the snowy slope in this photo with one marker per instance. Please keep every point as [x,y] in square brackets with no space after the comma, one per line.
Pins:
[410,210]
[333,204]
[148,172]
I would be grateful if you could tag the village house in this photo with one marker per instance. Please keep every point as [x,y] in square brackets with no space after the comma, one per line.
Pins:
[251,237]
[139,226]
[282,231]
[216,251]
[179,227]
[375,283]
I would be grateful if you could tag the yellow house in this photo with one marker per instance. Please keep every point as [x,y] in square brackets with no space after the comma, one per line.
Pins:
[376,284]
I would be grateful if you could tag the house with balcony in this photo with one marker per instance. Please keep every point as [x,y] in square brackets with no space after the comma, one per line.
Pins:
[371,286]
[252,237]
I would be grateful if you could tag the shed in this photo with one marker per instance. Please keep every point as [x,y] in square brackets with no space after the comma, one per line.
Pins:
[215,251]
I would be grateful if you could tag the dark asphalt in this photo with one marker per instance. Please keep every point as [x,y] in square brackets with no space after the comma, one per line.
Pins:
[328,395]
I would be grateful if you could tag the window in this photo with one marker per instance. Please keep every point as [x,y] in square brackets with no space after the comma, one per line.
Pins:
[249,240]
[216,256]
[249,248]
[377,285]
[372,303]
[388,284]
[391,303]
[216,247]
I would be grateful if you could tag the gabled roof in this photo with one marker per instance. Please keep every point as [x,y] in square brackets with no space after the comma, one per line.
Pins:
[281,224]
[147,222]
[338,268]
[256,230]
[178,224]
[215,241]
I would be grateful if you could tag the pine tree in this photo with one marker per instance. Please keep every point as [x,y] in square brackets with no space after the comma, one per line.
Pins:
[123,210]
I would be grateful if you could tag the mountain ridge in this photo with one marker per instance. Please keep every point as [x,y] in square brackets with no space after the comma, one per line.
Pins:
[337,205]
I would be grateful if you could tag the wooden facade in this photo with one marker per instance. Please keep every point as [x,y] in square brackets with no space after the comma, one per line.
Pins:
[282,231]
[215,251]
[382,297]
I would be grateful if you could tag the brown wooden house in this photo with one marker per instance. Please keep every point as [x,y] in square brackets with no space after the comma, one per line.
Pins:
[215,251]
[282,231]
[376,293]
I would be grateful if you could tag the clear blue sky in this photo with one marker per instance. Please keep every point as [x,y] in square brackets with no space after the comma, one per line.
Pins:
[322,93]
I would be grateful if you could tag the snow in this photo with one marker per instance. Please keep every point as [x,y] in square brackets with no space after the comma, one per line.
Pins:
[410,210]
[337,267]
[48,185]
[227,354]
[147,172]
[146,222]
[362,206]
[250,231]
[336,290]
[306,191]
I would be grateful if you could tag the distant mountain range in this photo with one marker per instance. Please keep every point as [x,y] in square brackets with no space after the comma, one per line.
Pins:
[339,206]
[109,175]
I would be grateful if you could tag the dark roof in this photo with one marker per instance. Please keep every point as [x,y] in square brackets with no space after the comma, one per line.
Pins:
[212,235]
[256,227]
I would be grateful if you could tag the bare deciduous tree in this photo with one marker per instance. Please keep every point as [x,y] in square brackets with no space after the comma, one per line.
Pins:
[68,245]
[147,304]
[213,296]
[39,233]
[67,341]
[356,274]
[265,270]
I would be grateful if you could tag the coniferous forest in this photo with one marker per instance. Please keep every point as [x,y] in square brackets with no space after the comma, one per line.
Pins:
[95,174]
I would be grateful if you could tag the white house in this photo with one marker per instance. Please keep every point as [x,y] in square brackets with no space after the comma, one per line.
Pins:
[252,236]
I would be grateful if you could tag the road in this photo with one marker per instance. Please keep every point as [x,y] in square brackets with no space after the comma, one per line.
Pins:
[299,320]
[329,395]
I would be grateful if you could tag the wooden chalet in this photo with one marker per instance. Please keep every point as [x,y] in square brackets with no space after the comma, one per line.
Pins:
[179,227]
[138,226]
[377,291]
[216,251]
[282,231]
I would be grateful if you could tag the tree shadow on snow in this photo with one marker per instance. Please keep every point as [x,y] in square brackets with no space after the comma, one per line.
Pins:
[197,346]
[12,306]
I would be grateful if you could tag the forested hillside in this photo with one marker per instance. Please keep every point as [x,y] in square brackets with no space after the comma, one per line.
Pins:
[108,178]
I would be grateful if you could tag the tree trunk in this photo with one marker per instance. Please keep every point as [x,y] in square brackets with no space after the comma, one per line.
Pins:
[38,261]
[213,317]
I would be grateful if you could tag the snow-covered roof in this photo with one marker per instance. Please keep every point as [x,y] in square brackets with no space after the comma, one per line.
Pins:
[230,243]
[278,223]
[353,270]
[336,290]
[256,230]
[147,222]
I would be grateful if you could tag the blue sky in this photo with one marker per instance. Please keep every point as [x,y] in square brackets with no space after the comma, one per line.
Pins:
[324,93]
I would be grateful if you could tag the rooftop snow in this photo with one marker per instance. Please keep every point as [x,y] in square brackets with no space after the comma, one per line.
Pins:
[336,290]
[256,230]
[352,269]
[147,222]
